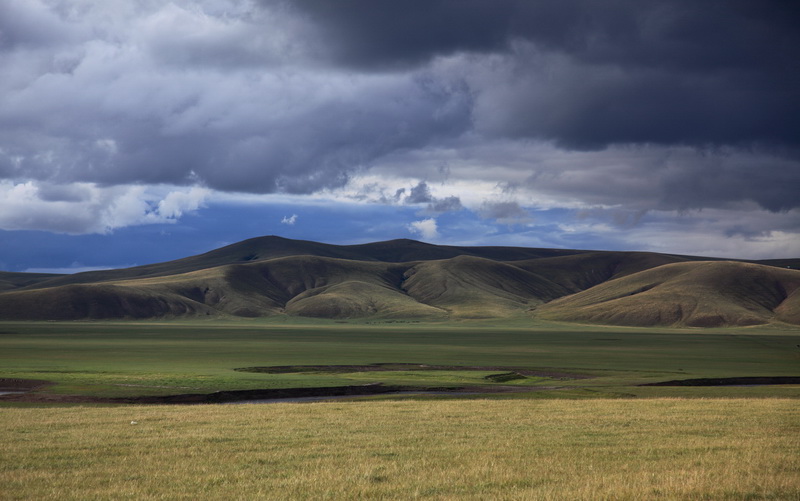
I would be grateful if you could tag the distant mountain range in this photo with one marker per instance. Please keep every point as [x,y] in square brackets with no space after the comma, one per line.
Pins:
[410,280]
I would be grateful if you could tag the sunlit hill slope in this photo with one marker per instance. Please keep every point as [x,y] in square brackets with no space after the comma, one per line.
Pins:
[409,280]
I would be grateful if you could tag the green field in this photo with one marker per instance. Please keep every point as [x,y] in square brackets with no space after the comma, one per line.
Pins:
[146,358]
[600,436]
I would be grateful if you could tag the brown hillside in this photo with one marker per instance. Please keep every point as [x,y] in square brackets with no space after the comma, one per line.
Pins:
[272,247]
[360,300]
[78,302]
[697,294]
[265,288]
[471,287]
[16,280]
[405,279]
[582,271]
[789,310]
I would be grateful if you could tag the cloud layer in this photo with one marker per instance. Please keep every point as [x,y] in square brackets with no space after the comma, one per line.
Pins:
[79,208]
[134,112]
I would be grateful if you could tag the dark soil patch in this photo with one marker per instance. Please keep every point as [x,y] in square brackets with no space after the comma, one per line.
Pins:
[730,381]
[14,384]
[505,377]
[27,386]
[384,367]
[220,397]
[227,396]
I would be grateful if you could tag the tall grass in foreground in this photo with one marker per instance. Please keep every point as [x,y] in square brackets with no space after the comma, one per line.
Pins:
[456,449]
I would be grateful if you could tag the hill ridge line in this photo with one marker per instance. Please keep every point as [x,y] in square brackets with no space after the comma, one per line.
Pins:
[410,280]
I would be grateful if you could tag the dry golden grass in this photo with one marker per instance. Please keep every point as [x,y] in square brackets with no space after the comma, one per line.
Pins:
[474,449]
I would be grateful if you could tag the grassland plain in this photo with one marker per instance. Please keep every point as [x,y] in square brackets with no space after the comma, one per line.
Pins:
[457,449]
[589,439]
[117,359]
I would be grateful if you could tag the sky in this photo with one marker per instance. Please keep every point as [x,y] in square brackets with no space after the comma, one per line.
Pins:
[139,131]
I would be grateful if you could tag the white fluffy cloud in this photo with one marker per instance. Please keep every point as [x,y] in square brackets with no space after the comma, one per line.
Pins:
[290,220]
[426,229]
[80,208]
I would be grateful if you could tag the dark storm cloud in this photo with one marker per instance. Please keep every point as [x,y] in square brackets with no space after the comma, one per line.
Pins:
[133,113]
[588,107]
[670,178]
[621,71]
[505,213]
[298,97]
[30,24]
[727,177]
[678,34]
[386,34]
[447,204]
[421,194]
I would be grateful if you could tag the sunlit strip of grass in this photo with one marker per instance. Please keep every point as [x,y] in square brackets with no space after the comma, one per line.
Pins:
[478,449]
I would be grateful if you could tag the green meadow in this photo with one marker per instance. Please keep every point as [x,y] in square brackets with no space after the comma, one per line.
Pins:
[119,359]
[558,436]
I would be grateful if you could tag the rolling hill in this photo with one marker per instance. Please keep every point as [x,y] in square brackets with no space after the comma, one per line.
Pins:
[271,247]
[409,280]
[12,280]
[695,294]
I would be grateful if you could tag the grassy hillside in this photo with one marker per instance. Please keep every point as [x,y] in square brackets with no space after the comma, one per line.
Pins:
[406,279]
[254,249]
[696,294]
[271,247]
[330,288]
[471,287]
[460,287]
[95,301]
[11,280]
[582,271]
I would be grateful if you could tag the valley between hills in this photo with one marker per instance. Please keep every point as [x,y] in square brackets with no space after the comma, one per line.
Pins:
[406,280]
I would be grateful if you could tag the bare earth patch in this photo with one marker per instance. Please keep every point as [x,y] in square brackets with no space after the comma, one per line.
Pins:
[385,367]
